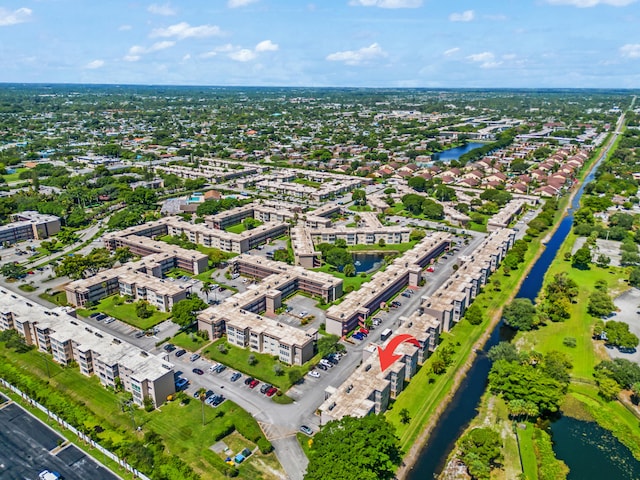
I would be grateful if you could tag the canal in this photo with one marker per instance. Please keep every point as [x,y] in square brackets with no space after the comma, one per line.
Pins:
[463,407]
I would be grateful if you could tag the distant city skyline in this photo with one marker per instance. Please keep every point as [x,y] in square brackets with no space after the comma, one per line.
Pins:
[325,43]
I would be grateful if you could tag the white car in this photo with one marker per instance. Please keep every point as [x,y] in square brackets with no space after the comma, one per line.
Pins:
[213,367]
[314,374]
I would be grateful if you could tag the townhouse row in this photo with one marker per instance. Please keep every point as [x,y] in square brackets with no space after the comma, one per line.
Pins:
[369,389]
[244,317]
[115,362]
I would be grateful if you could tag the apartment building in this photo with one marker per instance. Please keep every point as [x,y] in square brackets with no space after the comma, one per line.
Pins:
[364,235]
[405,270]
[450,301]
[505,216]
[29,225]
[290,278]
[304,251]
[141,280]
[113,361]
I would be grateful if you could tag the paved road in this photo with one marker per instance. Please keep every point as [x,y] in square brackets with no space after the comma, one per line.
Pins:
[28,446]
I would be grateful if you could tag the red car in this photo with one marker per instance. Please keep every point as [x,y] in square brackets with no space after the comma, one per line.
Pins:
[430,269]
[271,392]
[253,383]
[364,330]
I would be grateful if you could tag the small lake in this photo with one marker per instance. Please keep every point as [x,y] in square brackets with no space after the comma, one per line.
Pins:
[365,262]
[455,153]
[591,452]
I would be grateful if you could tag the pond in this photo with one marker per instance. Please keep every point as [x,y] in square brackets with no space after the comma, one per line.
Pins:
[455,153]
[368,261]
[591,452]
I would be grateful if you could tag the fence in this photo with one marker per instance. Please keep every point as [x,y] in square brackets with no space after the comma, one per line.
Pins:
[82,436]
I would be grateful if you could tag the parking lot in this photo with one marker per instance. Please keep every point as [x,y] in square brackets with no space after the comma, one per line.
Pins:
[28,446]
[300,307]
[629,305]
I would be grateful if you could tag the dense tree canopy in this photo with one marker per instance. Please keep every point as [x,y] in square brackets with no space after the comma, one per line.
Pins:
[185,311]
[520,314]
[354,449]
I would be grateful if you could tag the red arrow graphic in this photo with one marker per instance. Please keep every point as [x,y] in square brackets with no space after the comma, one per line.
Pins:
[387,355]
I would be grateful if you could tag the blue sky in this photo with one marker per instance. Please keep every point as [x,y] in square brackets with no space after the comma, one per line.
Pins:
[360,43]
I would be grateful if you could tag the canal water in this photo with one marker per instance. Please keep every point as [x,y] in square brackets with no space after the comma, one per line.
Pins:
[455,153]
[463,407]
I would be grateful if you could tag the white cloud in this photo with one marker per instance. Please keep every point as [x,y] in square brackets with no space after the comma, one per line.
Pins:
[135,53]
[485,59]
[465,16]
[242,55]
[186,57]
[266,46]
[451,51]
[386,3]
[358,57]
[509,56]
[630,50]
[592,3]
[124,28]
[20,15]
[165,10]
[239,3]
[183,30]
[94,64]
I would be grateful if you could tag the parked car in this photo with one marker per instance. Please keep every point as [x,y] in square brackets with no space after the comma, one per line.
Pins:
[248,380]
[169,347]
[220,368]
[209,400]
[139,334]
[253,383]
[94,314]
[272,391]
[180,352]
[235,376]
[306,430]
[194,357]
[208,393]
[265,387]
[197,371]
[405,294]
[364,330]
[217,400]
[430,269]
[181,383]
[321,367]
[314,374]
[326,363]
[109,320]
[358,336]
[213,367]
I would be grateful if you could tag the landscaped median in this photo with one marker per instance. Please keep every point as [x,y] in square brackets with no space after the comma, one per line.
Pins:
[266,368]
[126,312]
[172,440]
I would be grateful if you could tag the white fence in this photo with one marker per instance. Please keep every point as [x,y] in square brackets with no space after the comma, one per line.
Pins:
[85,438]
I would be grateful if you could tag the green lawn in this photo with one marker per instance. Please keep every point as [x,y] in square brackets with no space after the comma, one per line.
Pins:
[527,453]
[360,208]
[237,359]
[15,176]
[580,324]
[308,183]
[181,427]
[356,282]
[25,287]
[237,228]
[58,298]
[189,341]
[127,313]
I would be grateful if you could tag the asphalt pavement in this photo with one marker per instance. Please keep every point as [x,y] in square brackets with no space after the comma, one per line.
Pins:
[28,446]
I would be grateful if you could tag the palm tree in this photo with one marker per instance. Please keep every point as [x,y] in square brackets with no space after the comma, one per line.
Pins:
[206,289]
